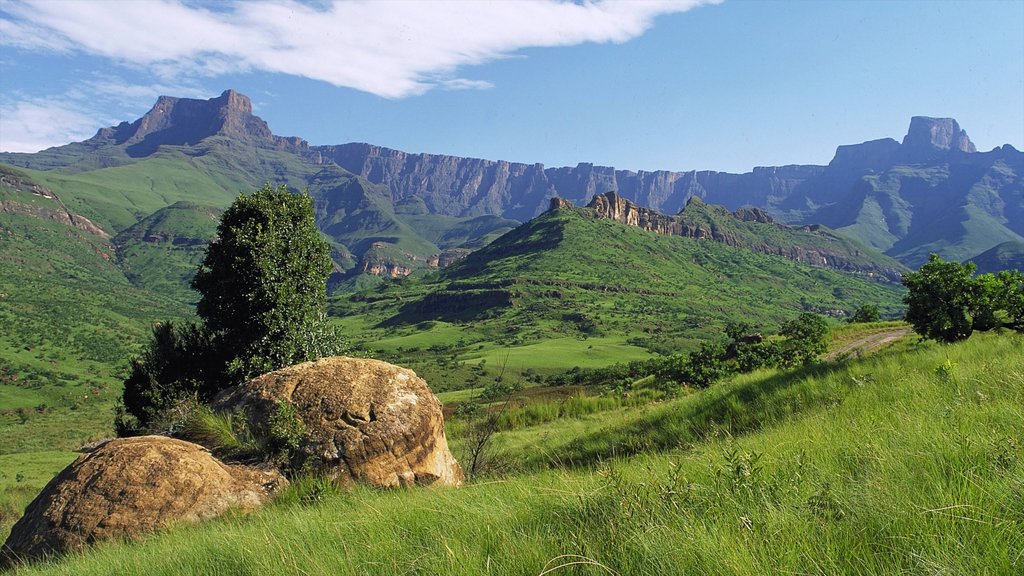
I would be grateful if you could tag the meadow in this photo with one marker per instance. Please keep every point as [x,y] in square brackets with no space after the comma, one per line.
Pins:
[906,461]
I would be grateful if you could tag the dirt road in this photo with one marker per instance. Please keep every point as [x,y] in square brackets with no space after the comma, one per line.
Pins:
[868,343]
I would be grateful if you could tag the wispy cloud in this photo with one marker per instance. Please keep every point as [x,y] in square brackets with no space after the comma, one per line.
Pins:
[29,123]
[33,126]
[392,49]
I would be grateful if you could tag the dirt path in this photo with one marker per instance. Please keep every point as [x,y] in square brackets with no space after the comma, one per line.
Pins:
[868,343]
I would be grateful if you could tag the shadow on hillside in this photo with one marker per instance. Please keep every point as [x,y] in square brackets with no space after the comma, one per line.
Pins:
[718,412]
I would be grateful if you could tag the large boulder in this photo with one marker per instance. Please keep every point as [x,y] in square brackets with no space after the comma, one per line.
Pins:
[129,487]
[366,420]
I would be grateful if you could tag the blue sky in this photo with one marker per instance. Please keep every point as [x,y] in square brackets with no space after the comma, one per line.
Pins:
[640,85]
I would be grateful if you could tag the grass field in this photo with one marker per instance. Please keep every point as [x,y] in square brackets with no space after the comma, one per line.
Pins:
[905,462]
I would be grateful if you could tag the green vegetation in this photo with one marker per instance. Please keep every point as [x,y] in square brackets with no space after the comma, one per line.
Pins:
[946,302]
[865,314]
[900,463]
[565,290]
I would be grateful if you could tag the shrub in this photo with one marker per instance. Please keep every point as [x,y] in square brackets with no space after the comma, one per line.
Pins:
[866,313]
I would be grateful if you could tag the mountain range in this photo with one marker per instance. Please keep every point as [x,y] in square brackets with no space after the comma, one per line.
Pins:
[389,212]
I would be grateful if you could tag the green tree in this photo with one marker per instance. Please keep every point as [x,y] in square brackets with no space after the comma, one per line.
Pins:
[946,303]
[263,287]
[1011,296]
[806,339]
[866,313]
[263,284]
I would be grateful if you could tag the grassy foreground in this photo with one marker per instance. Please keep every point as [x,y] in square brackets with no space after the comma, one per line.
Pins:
[906,462]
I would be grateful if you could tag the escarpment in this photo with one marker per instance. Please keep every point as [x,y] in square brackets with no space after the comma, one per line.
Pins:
[750,228]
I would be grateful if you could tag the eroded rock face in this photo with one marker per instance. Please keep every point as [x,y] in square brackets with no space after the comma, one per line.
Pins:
[132,486]
[367,420]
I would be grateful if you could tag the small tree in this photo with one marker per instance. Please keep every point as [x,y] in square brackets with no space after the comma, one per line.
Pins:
[866,313]
[945,303]
[263,284]
[1011,297]
[806,339]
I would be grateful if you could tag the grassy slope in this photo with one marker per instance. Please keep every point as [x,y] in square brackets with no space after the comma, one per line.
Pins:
[162,251]
[70,319]
[889,465]
[1005,256]
[565,290]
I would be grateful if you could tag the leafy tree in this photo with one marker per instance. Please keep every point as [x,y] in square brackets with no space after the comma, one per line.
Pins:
[946,303]
[866,313]
[263,284]
[1011,296]
[263,295]
[807,338]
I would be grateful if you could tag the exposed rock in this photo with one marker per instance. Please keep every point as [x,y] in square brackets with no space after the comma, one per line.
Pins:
[186,121]
[751,214]
[367,420]
[930,137]
[129,487]
[871,155]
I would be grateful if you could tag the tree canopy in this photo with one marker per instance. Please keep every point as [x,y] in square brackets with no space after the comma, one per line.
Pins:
[946,302]
[264,283]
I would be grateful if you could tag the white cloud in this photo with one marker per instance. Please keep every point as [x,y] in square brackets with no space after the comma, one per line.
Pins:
[34,126]
[392,49]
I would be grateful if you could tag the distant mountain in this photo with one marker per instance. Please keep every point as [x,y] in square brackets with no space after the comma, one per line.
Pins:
[386,211]
[1005,256]
[931,193]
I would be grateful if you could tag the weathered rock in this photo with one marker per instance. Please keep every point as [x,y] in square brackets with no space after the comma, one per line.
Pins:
[133,486]
[367,420]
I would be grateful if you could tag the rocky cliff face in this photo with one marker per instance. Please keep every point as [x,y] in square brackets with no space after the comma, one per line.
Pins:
[185,121]
[457,186]
[749,228]
[928,137]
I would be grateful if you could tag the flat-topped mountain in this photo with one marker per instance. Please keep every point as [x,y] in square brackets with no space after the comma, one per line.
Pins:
[932,192]
[185,121]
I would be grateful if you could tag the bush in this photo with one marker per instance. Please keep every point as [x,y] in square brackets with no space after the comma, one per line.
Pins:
[866,313]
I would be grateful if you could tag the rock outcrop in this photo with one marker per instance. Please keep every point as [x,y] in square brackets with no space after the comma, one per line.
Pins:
[367,421]
[750,228]
[928,137]
[129,487]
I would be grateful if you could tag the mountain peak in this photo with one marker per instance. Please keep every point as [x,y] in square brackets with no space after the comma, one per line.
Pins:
[928,136]
[185,121]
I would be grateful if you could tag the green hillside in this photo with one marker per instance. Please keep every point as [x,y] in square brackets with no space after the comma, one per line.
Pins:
[1005,256]
[161,252]
[906,462]
[566,290]
[71,320]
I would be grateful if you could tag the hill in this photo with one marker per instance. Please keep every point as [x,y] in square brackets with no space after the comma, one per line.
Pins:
[71,319]
[570,288]
[1005,256]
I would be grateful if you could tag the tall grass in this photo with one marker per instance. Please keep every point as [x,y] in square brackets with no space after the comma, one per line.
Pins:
[905,463]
